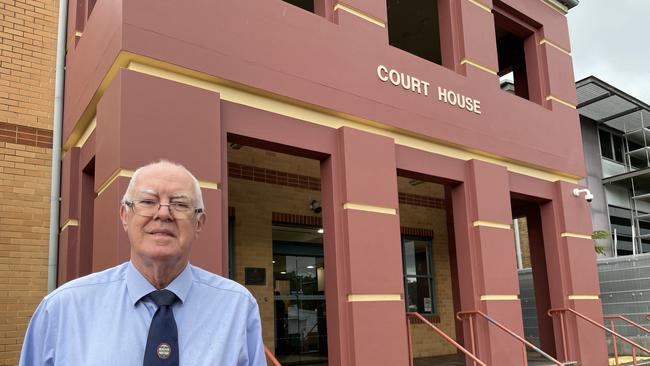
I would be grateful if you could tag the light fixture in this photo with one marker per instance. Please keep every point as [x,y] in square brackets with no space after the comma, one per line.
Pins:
[283,272]
[310,267]
[588,196]
[315,206]
[273,261]
[320,231]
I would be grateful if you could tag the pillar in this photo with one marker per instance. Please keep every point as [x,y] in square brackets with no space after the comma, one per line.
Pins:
[363,259]
[572,275]
[486,261]
[141,119]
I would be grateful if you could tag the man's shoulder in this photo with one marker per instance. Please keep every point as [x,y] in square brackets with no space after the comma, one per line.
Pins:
[214,282]
[91,282]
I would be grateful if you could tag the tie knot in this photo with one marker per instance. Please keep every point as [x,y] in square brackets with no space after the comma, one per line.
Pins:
[163,297]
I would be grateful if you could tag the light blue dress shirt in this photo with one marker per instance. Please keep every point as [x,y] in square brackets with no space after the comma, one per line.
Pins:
[102,319]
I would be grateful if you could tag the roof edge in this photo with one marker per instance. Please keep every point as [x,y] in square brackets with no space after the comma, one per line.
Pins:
[569,3]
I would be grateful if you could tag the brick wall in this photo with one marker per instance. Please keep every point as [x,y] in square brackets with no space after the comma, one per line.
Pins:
[27,57]
[24,221]
[424,209]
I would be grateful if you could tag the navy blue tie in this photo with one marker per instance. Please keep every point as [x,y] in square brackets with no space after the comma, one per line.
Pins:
[162,342]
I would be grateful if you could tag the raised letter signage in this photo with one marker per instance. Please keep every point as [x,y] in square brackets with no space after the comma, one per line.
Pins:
[421,87]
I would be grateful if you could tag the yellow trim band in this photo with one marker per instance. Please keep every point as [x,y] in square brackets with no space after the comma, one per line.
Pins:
[129,173]
[117,173]
[496,225]
[499,297]
[360,14]
[373,297]
[555,45]
[584,297]
[478,66]
[86,134]
[553,4]
[574,235]
[269,102]
[369,208]
[209,185]
[551,97]
[68,223]
[481,5]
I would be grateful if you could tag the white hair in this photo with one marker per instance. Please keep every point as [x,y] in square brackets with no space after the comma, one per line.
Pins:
[128,195]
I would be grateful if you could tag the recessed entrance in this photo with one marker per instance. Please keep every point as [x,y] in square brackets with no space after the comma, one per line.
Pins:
[299,295]
[276,247]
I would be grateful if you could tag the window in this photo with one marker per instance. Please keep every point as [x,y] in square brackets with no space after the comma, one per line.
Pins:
[611,146]
[516,49]
[413,27]
[419,290]
[304,4]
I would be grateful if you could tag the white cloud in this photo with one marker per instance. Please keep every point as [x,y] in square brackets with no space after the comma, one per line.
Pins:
[611,40]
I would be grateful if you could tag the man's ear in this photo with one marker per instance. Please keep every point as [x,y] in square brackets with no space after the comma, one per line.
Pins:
[200,221]
[123,213]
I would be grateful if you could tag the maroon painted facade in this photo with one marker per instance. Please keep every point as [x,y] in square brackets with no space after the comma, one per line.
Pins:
[180,80]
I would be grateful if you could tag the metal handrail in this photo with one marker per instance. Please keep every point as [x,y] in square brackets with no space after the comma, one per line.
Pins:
[271,357]
[512,334]
[445,337]
[612,318]
[621,317]
[596,324]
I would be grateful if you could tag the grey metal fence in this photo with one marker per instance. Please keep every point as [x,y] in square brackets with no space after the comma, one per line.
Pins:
[625,290]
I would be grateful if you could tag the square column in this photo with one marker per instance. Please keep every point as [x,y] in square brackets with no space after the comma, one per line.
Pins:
[486,262]
[573,276]
[363,258]
[142,119]
[69,218]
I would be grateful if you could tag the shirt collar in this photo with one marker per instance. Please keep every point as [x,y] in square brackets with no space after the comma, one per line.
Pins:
[138,286]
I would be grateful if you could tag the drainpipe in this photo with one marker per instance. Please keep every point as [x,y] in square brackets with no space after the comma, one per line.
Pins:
[520,262]
[57,126]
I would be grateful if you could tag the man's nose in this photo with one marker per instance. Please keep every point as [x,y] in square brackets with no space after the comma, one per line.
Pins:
[164,212]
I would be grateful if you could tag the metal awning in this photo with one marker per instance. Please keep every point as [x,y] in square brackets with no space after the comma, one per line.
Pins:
[605,104]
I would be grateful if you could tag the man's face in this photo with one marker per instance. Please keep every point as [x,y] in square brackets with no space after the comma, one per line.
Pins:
[161,238]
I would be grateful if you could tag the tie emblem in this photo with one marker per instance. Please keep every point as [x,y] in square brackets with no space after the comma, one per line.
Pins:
[163,351]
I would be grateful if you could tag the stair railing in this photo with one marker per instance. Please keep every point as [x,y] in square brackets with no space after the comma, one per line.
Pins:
[612,319]
[471,314]
[475,360]
[634,345]
[271,357]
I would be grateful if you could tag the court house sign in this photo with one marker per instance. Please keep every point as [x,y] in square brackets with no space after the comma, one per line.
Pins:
[421,87]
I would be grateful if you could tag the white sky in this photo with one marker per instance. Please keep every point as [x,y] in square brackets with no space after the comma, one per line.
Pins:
[610,39]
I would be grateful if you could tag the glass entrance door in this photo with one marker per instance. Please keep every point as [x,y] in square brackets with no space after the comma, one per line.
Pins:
[300,322]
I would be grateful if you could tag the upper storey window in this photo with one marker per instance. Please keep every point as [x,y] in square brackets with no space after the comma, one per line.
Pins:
[516,51]
[413,26]
[304,4]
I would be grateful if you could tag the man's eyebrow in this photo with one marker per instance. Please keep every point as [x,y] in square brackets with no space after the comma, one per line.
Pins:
[180,195]
[149,191]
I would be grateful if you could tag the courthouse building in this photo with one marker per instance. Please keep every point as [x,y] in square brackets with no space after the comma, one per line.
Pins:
[358,160]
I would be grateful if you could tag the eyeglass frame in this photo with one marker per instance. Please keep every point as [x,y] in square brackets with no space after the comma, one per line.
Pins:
[131,205]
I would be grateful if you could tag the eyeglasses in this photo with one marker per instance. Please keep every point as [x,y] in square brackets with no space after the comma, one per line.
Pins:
[149,208]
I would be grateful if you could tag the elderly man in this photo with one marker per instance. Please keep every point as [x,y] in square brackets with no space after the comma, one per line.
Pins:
[156,309]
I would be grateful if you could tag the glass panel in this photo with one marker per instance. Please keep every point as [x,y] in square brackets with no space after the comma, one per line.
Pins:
[419,294]
[416,256]
[300,322]
[605,144]
[618,148]
[409,257]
